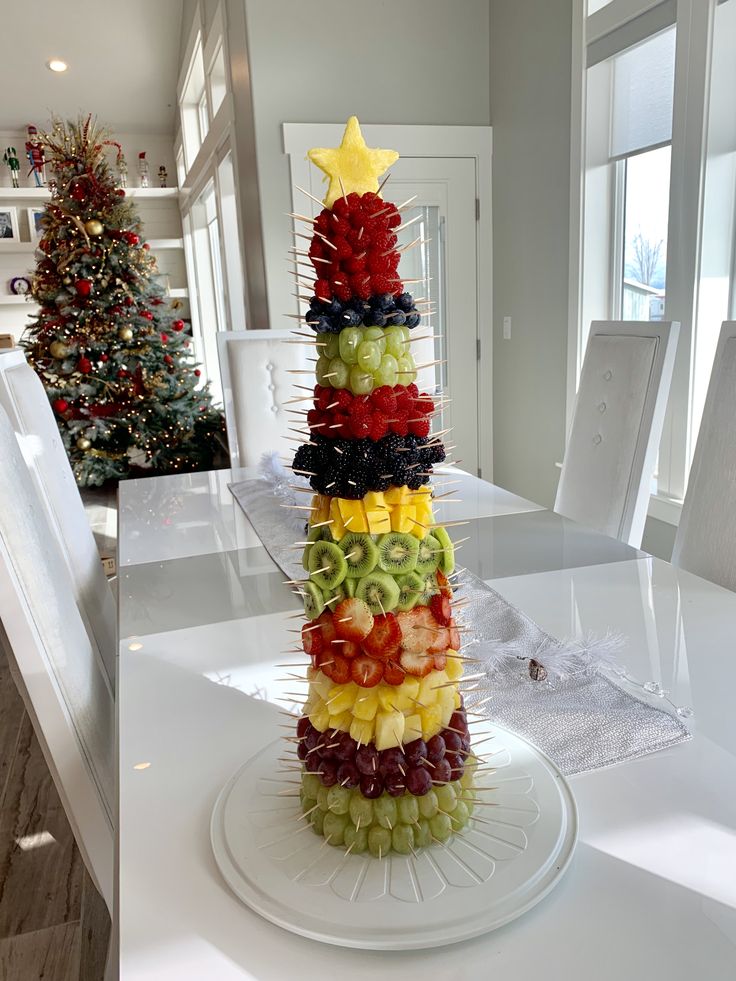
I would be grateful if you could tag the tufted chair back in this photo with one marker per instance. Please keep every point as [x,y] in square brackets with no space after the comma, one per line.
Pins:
[616,427]
[56,663]
[255,367]
[706,536]
[23,397]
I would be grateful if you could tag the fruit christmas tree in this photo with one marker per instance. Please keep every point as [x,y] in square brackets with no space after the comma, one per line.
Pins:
[114,360]
[383,740]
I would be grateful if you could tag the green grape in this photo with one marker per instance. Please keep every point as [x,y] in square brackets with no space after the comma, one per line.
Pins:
[317,819]
[376,334]
[402,839]
[361,382]
[467,798]
[387,372]
[379,842]
[446,797]
[395,342]
[339,373]
[407,372]
[338,799]
[386,812]
[331,347]
[321,369]
[406,334]
[322,798]
[348,341]
[310,785]
[422,833]
[428,805]
[440,826]
[361,811]
[408,809]
[460,816]
[356,839]
[369,355]
[466,780]
[334,827]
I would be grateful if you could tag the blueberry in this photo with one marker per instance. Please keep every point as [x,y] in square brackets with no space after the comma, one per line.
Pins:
[321,324]
[349,318]
[412,319]
[384,301]
[334,306]
[405,302]
[377,319]
[398,317]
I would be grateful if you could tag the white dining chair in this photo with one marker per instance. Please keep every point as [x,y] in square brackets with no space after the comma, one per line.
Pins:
[56,664]
[23,397]
[705,543]
[255,368]
[617,424]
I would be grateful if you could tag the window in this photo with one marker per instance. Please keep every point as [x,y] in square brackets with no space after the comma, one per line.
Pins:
[645,205]
[217,80]
[193,106]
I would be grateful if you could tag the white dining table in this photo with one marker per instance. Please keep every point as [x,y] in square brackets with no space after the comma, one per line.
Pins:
[204,613]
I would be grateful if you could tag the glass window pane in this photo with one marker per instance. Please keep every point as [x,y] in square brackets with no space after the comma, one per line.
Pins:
[646,211]
[232,258]
[643,86]
[218,82]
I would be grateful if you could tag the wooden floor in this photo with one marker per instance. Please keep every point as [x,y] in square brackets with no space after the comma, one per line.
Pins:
[54,925]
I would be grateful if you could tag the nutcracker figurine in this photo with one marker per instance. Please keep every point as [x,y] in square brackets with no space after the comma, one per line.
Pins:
[10,157]
[122,169]
[143,169]
[36,157]
[163,176]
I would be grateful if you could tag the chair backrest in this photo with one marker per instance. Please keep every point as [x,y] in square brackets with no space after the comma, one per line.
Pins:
[56,663]
[706,535]
[255,367]
[616,427]
[23,397]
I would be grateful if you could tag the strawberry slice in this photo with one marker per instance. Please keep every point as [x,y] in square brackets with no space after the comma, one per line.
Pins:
[440,661]
[347,648]
[393,673]
[416,664]
[312,640]
[455,641]
[353,619]
[414,636]
[328,631]
[365,671]
[439,642]
[384,639]
[336,667]
[443,583]
[441,609]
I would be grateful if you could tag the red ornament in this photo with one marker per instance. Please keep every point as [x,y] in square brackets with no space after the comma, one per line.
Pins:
[131,238]
[146,246]
[178,325]
[104,357]
[168,359]
[164,338]
[79,192]
[84,365]
[60,405]
[146,314]
[157,301]
[129,301]
[44,245]
[116,310]
[121,192]
[197,372]
[122,373]
[83,287]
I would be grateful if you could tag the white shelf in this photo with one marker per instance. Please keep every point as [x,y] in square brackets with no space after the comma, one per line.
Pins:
[17,246]
[14,300]
[180,294]
[43,194]
[161,244]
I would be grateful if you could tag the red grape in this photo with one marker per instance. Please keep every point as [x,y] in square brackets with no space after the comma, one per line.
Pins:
[328,772]
[395,783]
[348,776]
[435,749]
[442,772]
[418,781]
[453,742]
[371,786]
[366,759]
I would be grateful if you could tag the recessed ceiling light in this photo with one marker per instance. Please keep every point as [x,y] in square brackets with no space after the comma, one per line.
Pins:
[57,65]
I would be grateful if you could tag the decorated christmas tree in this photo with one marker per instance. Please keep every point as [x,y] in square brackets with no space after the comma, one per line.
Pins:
[115,361]
[384,744]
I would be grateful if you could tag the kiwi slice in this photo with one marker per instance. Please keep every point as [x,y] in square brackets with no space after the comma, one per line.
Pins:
[327,565]
[429,587]
[314,602]
[428,556]
[409,589]
[361,553]
[379,590]
[328,595]
[350,585]
[321,534]
[397,552]
[447,554]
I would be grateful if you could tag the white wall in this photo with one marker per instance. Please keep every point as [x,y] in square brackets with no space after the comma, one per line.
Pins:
[530,57]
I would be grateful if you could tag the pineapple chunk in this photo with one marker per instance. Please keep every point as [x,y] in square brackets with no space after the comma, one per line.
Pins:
[343,721]
[312,702]
[337,527]
[389,697]
[454,666]
[413,728]
[410,685]
[457,700]
[389,729]
[447,702]
[366,705]
[429,687]
[362,731]
[322,509]
[353,515]
[374,500]
[403,518]
[379,521]
[395,495]
[431,720]
[320,718]
[341,698]
[321,684]
[404,701]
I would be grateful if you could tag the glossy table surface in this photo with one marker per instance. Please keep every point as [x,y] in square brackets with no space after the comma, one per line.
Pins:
[204,614]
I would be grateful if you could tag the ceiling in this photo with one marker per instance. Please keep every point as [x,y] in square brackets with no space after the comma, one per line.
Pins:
[122,57]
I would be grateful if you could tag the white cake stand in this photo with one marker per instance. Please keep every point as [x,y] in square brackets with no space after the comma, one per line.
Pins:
[509,857]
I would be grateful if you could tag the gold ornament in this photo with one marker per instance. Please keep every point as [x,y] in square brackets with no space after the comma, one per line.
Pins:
[94,227]
[83,443]
[58,349]
[125,334]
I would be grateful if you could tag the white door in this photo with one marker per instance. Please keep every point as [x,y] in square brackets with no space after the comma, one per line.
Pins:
[447,266]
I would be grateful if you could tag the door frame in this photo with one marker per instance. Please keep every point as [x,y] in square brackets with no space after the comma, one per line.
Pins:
[475,142]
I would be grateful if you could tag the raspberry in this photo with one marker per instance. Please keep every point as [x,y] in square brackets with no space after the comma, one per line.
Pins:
[401,423]
[384,400]
[341,207]
[380,283]
[394,220]
[378,426]
[413,390]
[317,249]
[362,286]
[323,290]
[360,427]
[419,427]
[341,227]
[404,401]
[342,250]
[342,290]
[322,221]
[354,264]
[343,398]
[323,397]
[357,218]
[378,263]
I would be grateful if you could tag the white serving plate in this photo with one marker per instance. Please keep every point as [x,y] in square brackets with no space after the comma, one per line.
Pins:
[508,858]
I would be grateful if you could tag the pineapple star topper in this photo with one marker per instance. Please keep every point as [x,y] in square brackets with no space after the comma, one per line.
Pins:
[352,166]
